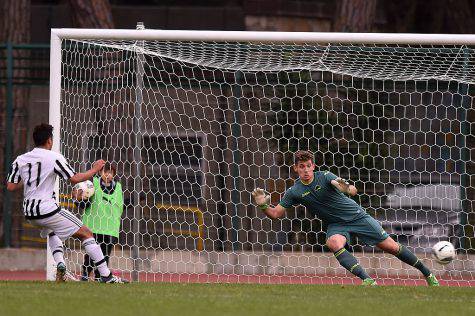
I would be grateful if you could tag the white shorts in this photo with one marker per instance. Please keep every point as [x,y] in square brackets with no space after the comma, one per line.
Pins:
[64,224]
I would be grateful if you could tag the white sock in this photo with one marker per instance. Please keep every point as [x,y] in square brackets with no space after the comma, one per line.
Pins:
[94,251]
[56,246]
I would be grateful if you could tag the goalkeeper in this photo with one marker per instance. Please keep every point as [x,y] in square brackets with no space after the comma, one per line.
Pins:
[324,195]
[102,213]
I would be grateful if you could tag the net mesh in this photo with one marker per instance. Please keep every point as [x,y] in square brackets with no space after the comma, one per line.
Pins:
[194,127]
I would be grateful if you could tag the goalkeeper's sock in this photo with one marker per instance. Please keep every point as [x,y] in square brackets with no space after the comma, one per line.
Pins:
[349,262]
[94,251]
[406,256]
[56,246]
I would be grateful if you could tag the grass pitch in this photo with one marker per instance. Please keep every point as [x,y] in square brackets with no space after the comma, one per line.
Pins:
[46,298]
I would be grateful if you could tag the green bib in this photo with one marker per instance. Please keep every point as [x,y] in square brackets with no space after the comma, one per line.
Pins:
[103,216]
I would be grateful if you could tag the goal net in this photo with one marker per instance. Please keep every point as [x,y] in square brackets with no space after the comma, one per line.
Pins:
[194,124]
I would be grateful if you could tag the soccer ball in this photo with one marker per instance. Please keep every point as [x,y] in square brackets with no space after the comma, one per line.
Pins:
[444,252]
[87,188]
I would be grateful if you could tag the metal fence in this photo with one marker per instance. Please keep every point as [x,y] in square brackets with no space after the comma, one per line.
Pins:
[21,67]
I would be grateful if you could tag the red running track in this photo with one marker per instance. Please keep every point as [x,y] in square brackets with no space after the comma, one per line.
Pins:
[251,279]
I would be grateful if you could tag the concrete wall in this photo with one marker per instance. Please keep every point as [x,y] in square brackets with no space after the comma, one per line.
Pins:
[247,263]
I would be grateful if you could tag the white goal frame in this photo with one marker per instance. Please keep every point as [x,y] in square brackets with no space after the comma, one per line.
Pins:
[57,35]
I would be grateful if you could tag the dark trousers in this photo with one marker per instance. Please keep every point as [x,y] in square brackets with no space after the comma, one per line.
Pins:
[106,243]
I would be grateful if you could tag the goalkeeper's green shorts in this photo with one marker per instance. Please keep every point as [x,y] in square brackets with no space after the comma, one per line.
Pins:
[368,230]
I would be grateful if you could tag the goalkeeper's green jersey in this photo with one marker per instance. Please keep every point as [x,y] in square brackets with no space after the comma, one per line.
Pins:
[323,200]
[104,213]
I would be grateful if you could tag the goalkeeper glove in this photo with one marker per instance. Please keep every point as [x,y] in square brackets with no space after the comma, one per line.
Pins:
[342,181]
[344,184]
[262,199]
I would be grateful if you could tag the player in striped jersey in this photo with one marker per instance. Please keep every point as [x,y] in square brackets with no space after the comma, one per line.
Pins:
[36,172]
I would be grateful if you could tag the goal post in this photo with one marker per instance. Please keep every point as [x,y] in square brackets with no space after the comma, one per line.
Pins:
[55,121]
[194,120]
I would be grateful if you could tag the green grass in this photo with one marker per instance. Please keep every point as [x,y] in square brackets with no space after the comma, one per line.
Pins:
[45,298]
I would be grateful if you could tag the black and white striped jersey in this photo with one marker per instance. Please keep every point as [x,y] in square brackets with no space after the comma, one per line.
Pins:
[38,170]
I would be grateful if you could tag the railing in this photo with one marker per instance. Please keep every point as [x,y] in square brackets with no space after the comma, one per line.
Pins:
[187,232]
[24,64]
[20,65]
[198,235]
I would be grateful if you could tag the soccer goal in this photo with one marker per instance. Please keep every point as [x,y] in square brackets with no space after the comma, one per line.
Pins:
[195,120]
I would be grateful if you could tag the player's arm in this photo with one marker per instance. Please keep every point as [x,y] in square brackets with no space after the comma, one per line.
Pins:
[343,186]
[274,212]
[14,186]
[14,182]
[262,200]
[83,176]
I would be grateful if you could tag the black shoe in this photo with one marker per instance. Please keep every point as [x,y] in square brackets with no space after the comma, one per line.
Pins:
[113,279]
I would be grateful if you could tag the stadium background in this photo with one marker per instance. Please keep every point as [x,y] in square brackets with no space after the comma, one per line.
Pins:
[24,99]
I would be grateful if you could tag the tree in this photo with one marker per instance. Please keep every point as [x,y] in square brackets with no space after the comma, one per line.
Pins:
[401,16]
[440,16]
[355,16]
[459,16]
[15,29]
[92,14]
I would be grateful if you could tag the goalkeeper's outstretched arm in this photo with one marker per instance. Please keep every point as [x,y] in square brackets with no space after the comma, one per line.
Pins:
[344,186]
[262,200]
[274,212]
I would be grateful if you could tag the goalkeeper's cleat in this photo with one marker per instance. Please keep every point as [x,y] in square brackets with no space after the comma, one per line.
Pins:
[369,282]
[61,272]
[85,278]
[113,279]
[432,280]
